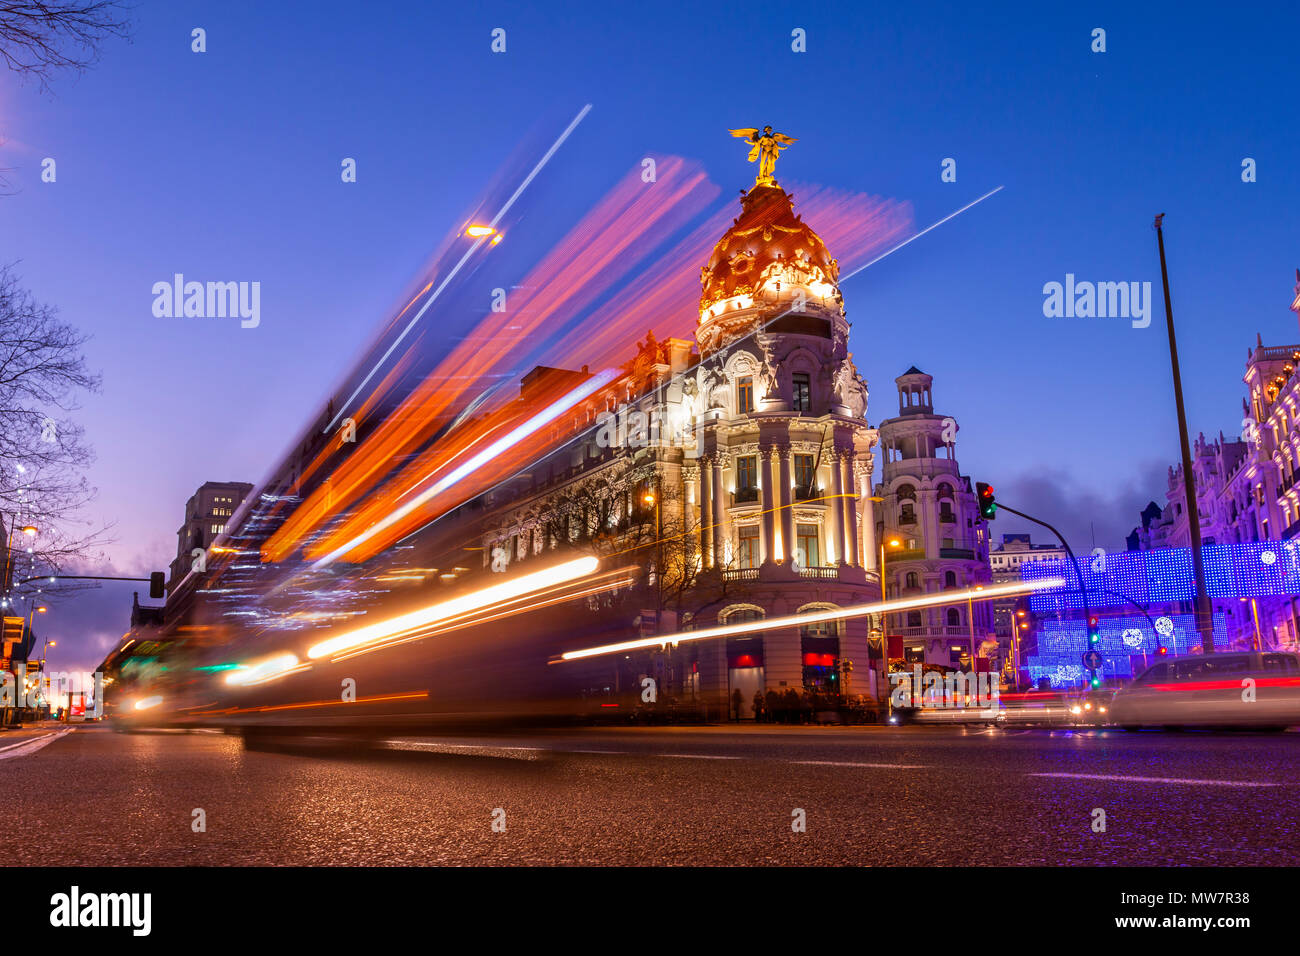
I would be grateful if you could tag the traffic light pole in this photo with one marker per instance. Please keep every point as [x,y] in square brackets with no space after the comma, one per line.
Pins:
[86,577]
[1204,618]
[1083,587]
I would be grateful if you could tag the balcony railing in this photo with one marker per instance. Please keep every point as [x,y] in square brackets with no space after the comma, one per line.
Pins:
[741,574]
[939,630]
[965,553]
[744,496]
[806,493]
[830,574]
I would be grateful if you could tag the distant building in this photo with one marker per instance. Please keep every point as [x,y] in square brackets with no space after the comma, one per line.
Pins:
[206,515]
[929,507]
[1149,514]
[1006,560]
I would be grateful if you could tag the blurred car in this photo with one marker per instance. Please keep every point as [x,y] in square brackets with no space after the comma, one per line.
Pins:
[1255,689]
[1092,708]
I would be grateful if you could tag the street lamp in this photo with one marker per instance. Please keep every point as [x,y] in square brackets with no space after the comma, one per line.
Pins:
[31,531]
[892,541]
[970,620]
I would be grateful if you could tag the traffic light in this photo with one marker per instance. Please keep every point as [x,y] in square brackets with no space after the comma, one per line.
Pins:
[157,584]
[984,496]
[1094,632]
[1163,651]
[1096,680]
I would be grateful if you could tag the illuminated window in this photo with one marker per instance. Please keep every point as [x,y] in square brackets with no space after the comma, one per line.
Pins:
[802,392]
[746,473]
[806,538]
[745,394]
[803,471]
[747,547]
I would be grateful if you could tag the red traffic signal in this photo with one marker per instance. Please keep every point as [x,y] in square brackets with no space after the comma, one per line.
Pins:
[988,504]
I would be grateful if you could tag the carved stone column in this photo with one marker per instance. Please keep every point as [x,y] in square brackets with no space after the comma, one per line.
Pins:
[870,546]
[768,499]
[719,498]
[707,496]
[787,513]
[851,555]
[836,511]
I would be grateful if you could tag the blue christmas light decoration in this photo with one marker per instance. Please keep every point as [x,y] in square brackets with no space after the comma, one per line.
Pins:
[1061,644]
[1250,569]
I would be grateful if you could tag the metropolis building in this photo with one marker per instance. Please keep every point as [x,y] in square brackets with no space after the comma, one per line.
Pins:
[735,468]
[738,470]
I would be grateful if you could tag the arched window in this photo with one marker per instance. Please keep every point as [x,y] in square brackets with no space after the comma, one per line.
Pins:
[911,580]
[954,617]
[950,579]
[913,618]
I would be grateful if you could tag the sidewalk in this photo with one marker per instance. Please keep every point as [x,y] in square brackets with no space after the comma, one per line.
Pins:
[31,728]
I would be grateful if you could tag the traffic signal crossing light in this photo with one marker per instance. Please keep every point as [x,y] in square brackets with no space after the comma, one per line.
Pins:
[157,584]
[1094,632]
[984,496]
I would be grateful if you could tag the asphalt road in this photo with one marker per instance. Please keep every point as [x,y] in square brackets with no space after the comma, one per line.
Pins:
[877,796]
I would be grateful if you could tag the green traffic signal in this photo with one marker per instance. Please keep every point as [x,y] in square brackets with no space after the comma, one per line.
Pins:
[988,504]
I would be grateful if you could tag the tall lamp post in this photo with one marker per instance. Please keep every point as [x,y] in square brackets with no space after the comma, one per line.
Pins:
[1204,616]
[891,540]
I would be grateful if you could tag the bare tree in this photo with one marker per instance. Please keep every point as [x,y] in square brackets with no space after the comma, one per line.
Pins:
[39,39]
[43,451]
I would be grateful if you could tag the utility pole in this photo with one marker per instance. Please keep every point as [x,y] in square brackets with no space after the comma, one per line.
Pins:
[1204,619]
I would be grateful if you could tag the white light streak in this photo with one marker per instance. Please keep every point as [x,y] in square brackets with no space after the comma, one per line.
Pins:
[427,616]
[831,614]
[455,269]
[951,215]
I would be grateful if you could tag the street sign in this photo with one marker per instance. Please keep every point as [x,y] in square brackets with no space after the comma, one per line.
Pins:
[1092,660]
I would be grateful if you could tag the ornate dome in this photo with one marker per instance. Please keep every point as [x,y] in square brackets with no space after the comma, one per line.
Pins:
[766,245]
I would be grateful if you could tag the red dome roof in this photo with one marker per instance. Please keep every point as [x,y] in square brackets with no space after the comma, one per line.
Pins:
[766,233]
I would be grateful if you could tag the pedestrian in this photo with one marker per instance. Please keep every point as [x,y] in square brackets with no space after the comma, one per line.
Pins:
[758,706]
[737,701]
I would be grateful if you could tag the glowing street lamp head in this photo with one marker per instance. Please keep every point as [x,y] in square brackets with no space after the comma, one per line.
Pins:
[894,542]
[41,610]
[476,231]
[649,499]
[30,531]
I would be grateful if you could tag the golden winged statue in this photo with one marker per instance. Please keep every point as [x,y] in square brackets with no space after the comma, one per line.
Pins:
[766,146]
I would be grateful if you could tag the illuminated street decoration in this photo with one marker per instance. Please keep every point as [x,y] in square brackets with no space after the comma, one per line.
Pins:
[1156,577]
[1060,644]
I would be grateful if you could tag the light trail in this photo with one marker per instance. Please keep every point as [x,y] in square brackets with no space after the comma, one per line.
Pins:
[833,614]
[459,265]
[437,613]
[267,669]
[951,215]
[536,601]
[538,421]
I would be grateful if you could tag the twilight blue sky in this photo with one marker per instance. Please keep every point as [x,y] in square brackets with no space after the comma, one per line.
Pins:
[224,165]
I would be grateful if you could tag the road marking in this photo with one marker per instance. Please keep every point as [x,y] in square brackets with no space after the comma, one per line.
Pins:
[25,747]
[1188,780]
[698,756]
[850,763]
[513,753]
